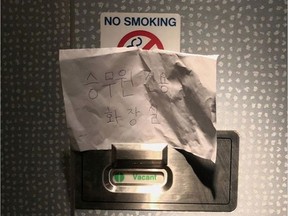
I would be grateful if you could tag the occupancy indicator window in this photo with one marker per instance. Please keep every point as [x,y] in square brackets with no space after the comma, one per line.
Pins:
[130,177]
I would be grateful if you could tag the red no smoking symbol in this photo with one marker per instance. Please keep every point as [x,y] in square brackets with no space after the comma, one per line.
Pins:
[153,40]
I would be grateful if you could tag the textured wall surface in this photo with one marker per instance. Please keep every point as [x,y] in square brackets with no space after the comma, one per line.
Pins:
[251,39]
[33,136]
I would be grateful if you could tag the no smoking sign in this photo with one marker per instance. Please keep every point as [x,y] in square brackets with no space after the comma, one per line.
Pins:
[141,38]
[146,31]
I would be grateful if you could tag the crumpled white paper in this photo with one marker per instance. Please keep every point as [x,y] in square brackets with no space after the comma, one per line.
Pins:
[129,95]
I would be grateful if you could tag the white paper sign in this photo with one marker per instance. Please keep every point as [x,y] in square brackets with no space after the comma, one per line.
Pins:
[142,30]
[139,96]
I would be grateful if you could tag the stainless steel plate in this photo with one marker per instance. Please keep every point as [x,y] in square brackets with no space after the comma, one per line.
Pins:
[123,179]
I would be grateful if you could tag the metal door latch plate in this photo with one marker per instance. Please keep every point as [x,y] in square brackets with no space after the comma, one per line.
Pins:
[157,177]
